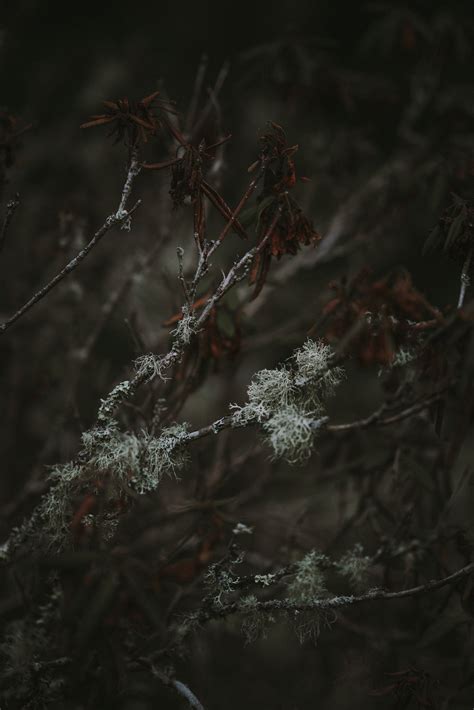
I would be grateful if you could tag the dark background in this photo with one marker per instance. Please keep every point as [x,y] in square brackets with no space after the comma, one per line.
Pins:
[341,77]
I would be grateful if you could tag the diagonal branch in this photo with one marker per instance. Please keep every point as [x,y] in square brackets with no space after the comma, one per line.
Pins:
[119,217]
[9,212]
[338,602]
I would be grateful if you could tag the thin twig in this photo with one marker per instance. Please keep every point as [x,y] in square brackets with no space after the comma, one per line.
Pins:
[10,211]
[339,602]
[377,418]
[119,217]
[465,279]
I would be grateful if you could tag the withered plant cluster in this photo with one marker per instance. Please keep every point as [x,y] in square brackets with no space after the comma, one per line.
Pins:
[229,500]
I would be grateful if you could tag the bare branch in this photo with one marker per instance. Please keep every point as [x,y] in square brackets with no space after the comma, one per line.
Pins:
[340,602]
[121,216]
[465,279]
[10,211]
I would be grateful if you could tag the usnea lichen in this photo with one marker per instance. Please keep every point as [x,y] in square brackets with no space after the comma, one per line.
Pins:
[139,460]
[315,371]
[56,507]
[123,459]
[111,402]
[355,566]
[185,328]
[308,582]
[288,401]
[290,433]
[150,366]
[255,623]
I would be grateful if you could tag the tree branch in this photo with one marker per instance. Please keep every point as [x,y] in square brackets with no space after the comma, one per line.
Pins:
[10,211]
[339,602]
[119,217]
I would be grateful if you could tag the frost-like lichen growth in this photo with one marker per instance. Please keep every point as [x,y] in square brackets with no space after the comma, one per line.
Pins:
[150,366]
[269,391]
[221,580]
[55,508]
[308,583]
[113,451]
[242,529]
[126,460]
[403,356]
[111,402]
[185,328]
[355,566]
[136,460]
[265,580]
[288,401]
[314,369]
[163,455]
[290,432]
[271,388]
[255,623]
[308,624]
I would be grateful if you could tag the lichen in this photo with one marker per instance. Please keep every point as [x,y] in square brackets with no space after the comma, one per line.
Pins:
[290,433]
[308,582]
[314,369]
[355,566]
[255,623]
[150,366]
[111,402]
[288,401]
[163,455]
[185,328]
[55,509]
[139,460]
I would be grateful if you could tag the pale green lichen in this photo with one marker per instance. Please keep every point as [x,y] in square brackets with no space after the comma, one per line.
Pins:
[290,432]
[265,580]
[315,371]
[163,455]
[150,366]
[221,580]
[288,401]
[309,624]
[254,622]
[308,582]
[403,356]
[139,460]
[242,529]
[55,508]
[111,402]
[268,391]
[185,328]
[355,566]
[112,451]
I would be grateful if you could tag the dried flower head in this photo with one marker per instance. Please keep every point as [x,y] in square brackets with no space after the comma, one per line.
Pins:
[132,121]
[279,218]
